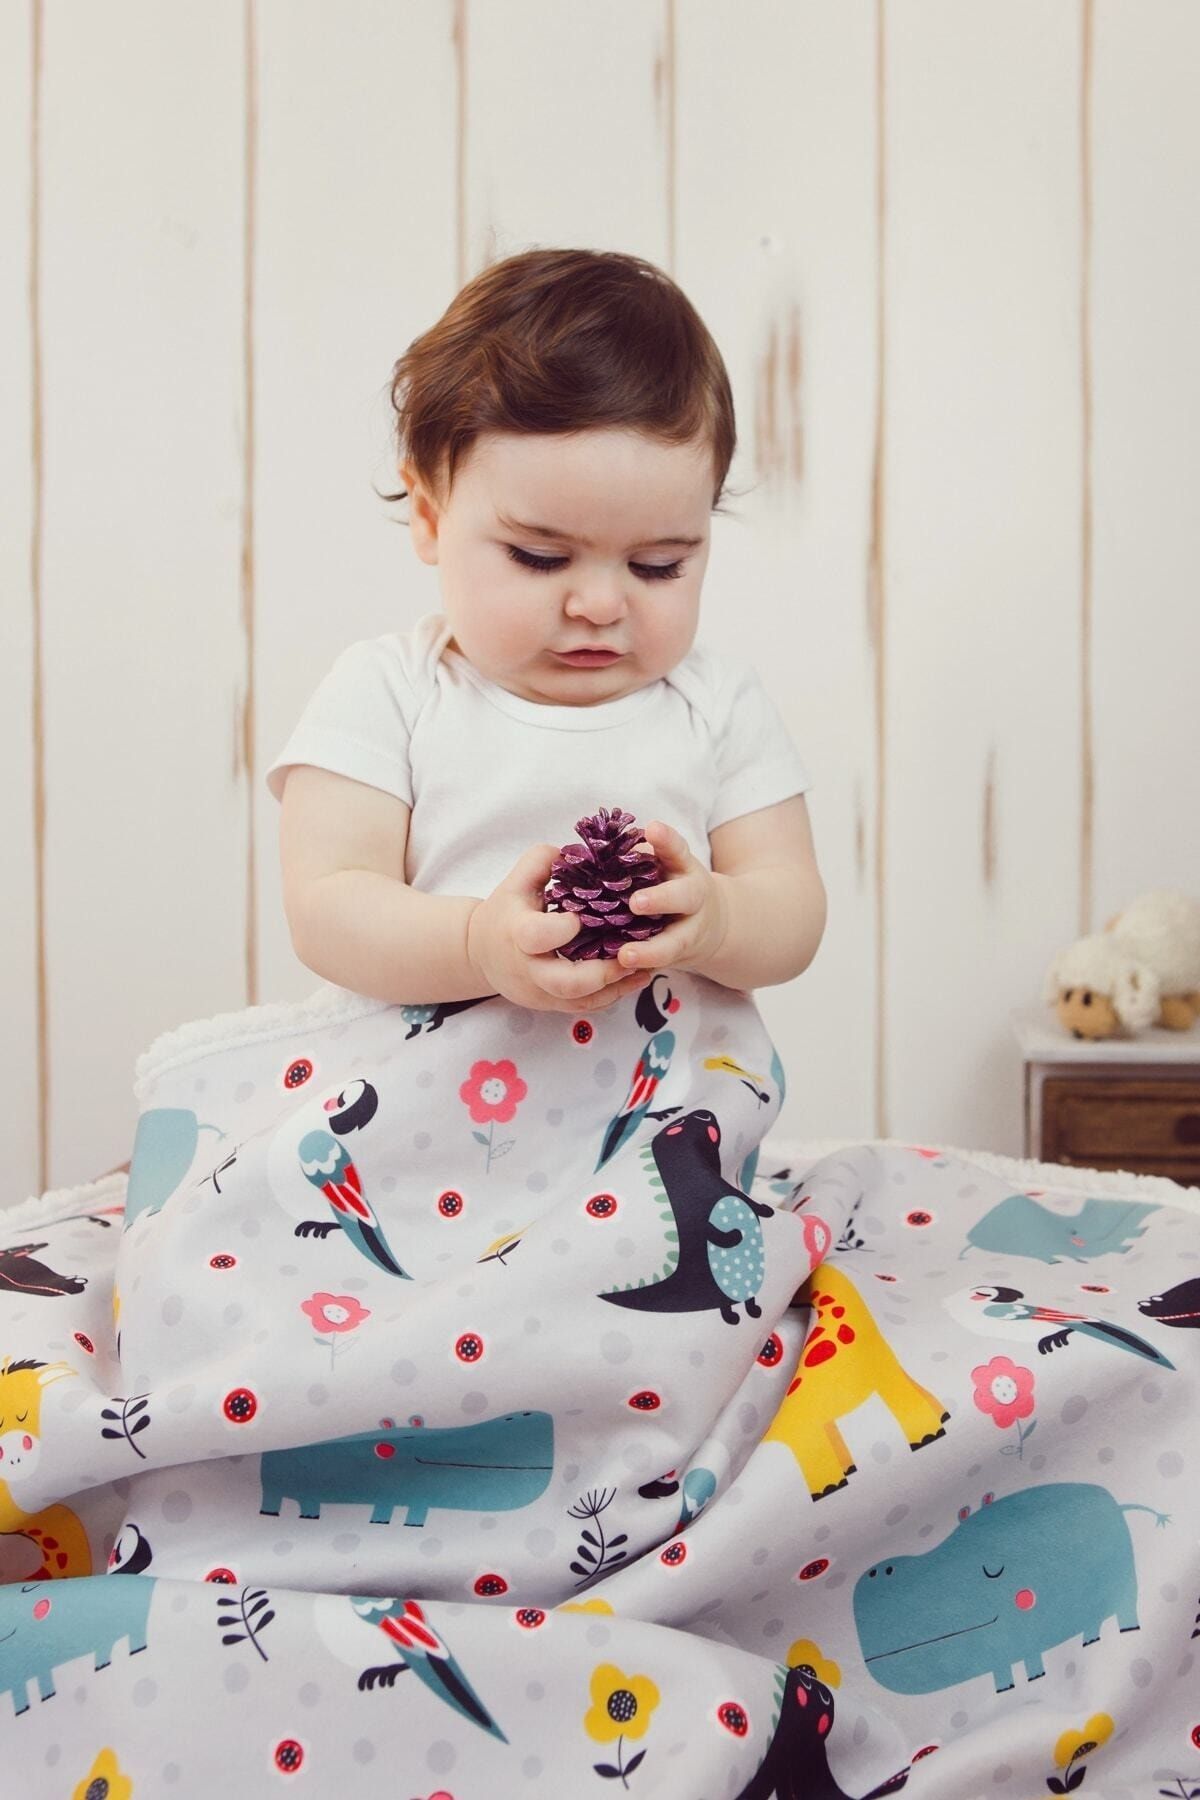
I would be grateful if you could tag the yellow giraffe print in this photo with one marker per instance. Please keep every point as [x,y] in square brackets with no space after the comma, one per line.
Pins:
[844,1361]
[57,1532]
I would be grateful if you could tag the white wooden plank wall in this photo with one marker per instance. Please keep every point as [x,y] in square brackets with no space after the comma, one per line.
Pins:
[1146,446]
[950,252]
[981,458]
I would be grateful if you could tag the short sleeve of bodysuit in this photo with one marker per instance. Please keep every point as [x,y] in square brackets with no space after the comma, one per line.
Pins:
[757,763]
[358,721]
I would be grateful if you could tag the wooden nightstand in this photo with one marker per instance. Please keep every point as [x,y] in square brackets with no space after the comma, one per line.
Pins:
[1119,1103]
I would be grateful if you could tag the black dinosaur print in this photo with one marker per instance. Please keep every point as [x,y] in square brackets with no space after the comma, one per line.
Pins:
[796,1766]
[20,1274]
[1179,1306]
[435,1015]
[687,1154]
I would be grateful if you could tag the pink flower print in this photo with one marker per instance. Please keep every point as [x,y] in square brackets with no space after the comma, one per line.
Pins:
[1004,1390]
[492,1093]
[334,1313]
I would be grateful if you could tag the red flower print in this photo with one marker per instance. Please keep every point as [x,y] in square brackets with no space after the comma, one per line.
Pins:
[817,1238]
[239,1406]
[289,1756]
[493,1091]
[812,1570]
[334,1312]
[1004,1390]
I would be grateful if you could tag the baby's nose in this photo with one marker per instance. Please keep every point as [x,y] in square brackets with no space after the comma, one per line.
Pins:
[602,599]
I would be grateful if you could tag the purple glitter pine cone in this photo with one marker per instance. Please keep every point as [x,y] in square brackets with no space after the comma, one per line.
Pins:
[596,880]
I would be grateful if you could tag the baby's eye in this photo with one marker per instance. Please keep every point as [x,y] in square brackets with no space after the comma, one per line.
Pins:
[547,565]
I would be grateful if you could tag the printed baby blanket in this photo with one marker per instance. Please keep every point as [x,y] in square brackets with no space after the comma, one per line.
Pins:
[473,1345]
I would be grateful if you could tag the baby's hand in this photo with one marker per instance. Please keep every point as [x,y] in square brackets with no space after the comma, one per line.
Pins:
[689,890]
[511,943]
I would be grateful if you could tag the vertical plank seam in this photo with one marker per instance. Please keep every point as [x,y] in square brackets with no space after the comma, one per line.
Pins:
[875,575]
[458,33]
[249,759]
[1087,746]
[37,674]
[672,84]
[989,819]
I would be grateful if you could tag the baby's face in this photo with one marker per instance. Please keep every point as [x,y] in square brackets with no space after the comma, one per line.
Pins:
[622,590]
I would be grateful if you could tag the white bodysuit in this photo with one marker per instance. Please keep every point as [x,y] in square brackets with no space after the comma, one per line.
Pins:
[487,773]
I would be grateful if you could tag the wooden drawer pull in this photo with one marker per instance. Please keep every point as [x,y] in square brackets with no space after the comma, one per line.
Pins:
[1187,1128]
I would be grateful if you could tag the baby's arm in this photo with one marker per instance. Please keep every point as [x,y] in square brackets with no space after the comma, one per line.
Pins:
[352,918]
[776,902]
[355,921]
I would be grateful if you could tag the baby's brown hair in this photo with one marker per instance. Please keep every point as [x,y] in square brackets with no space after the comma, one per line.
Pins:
[561,340]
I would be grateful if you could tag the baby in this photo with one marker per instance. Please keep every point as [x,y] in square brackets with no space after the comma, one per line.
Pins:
[564,432]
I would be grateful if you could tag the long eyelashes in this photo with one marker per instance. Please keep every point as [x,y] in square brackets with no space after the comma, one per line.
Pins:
[546,565]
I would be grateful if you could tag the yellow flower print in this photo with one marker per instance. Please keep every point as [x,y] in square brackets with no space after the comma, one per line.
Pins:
[104,1781]
[601,1606]
[1073,1745]
[621,1704]
[823,1667]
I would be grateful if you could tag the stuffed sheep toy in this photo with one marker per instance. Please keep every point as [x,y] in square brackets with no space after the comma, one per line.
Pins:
[1142,969]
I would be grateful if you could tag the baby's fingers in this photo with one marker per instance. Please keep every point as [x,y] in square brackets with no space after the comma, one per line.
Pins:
[572,979]
[538,933]
[681,895]
[615,990]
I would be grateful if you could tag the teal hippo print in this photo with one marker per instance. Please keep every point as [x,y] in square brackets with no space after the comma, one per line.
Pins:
[1018,1226]
[164,1146]
[46,1624]
[1012,1580]
[495,1466]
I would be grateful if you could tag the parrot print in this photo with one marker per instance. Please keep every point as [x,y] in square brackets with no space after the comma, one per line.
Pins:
[419,1647]
[655,1004]
[1004,1312]
[328,1165]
